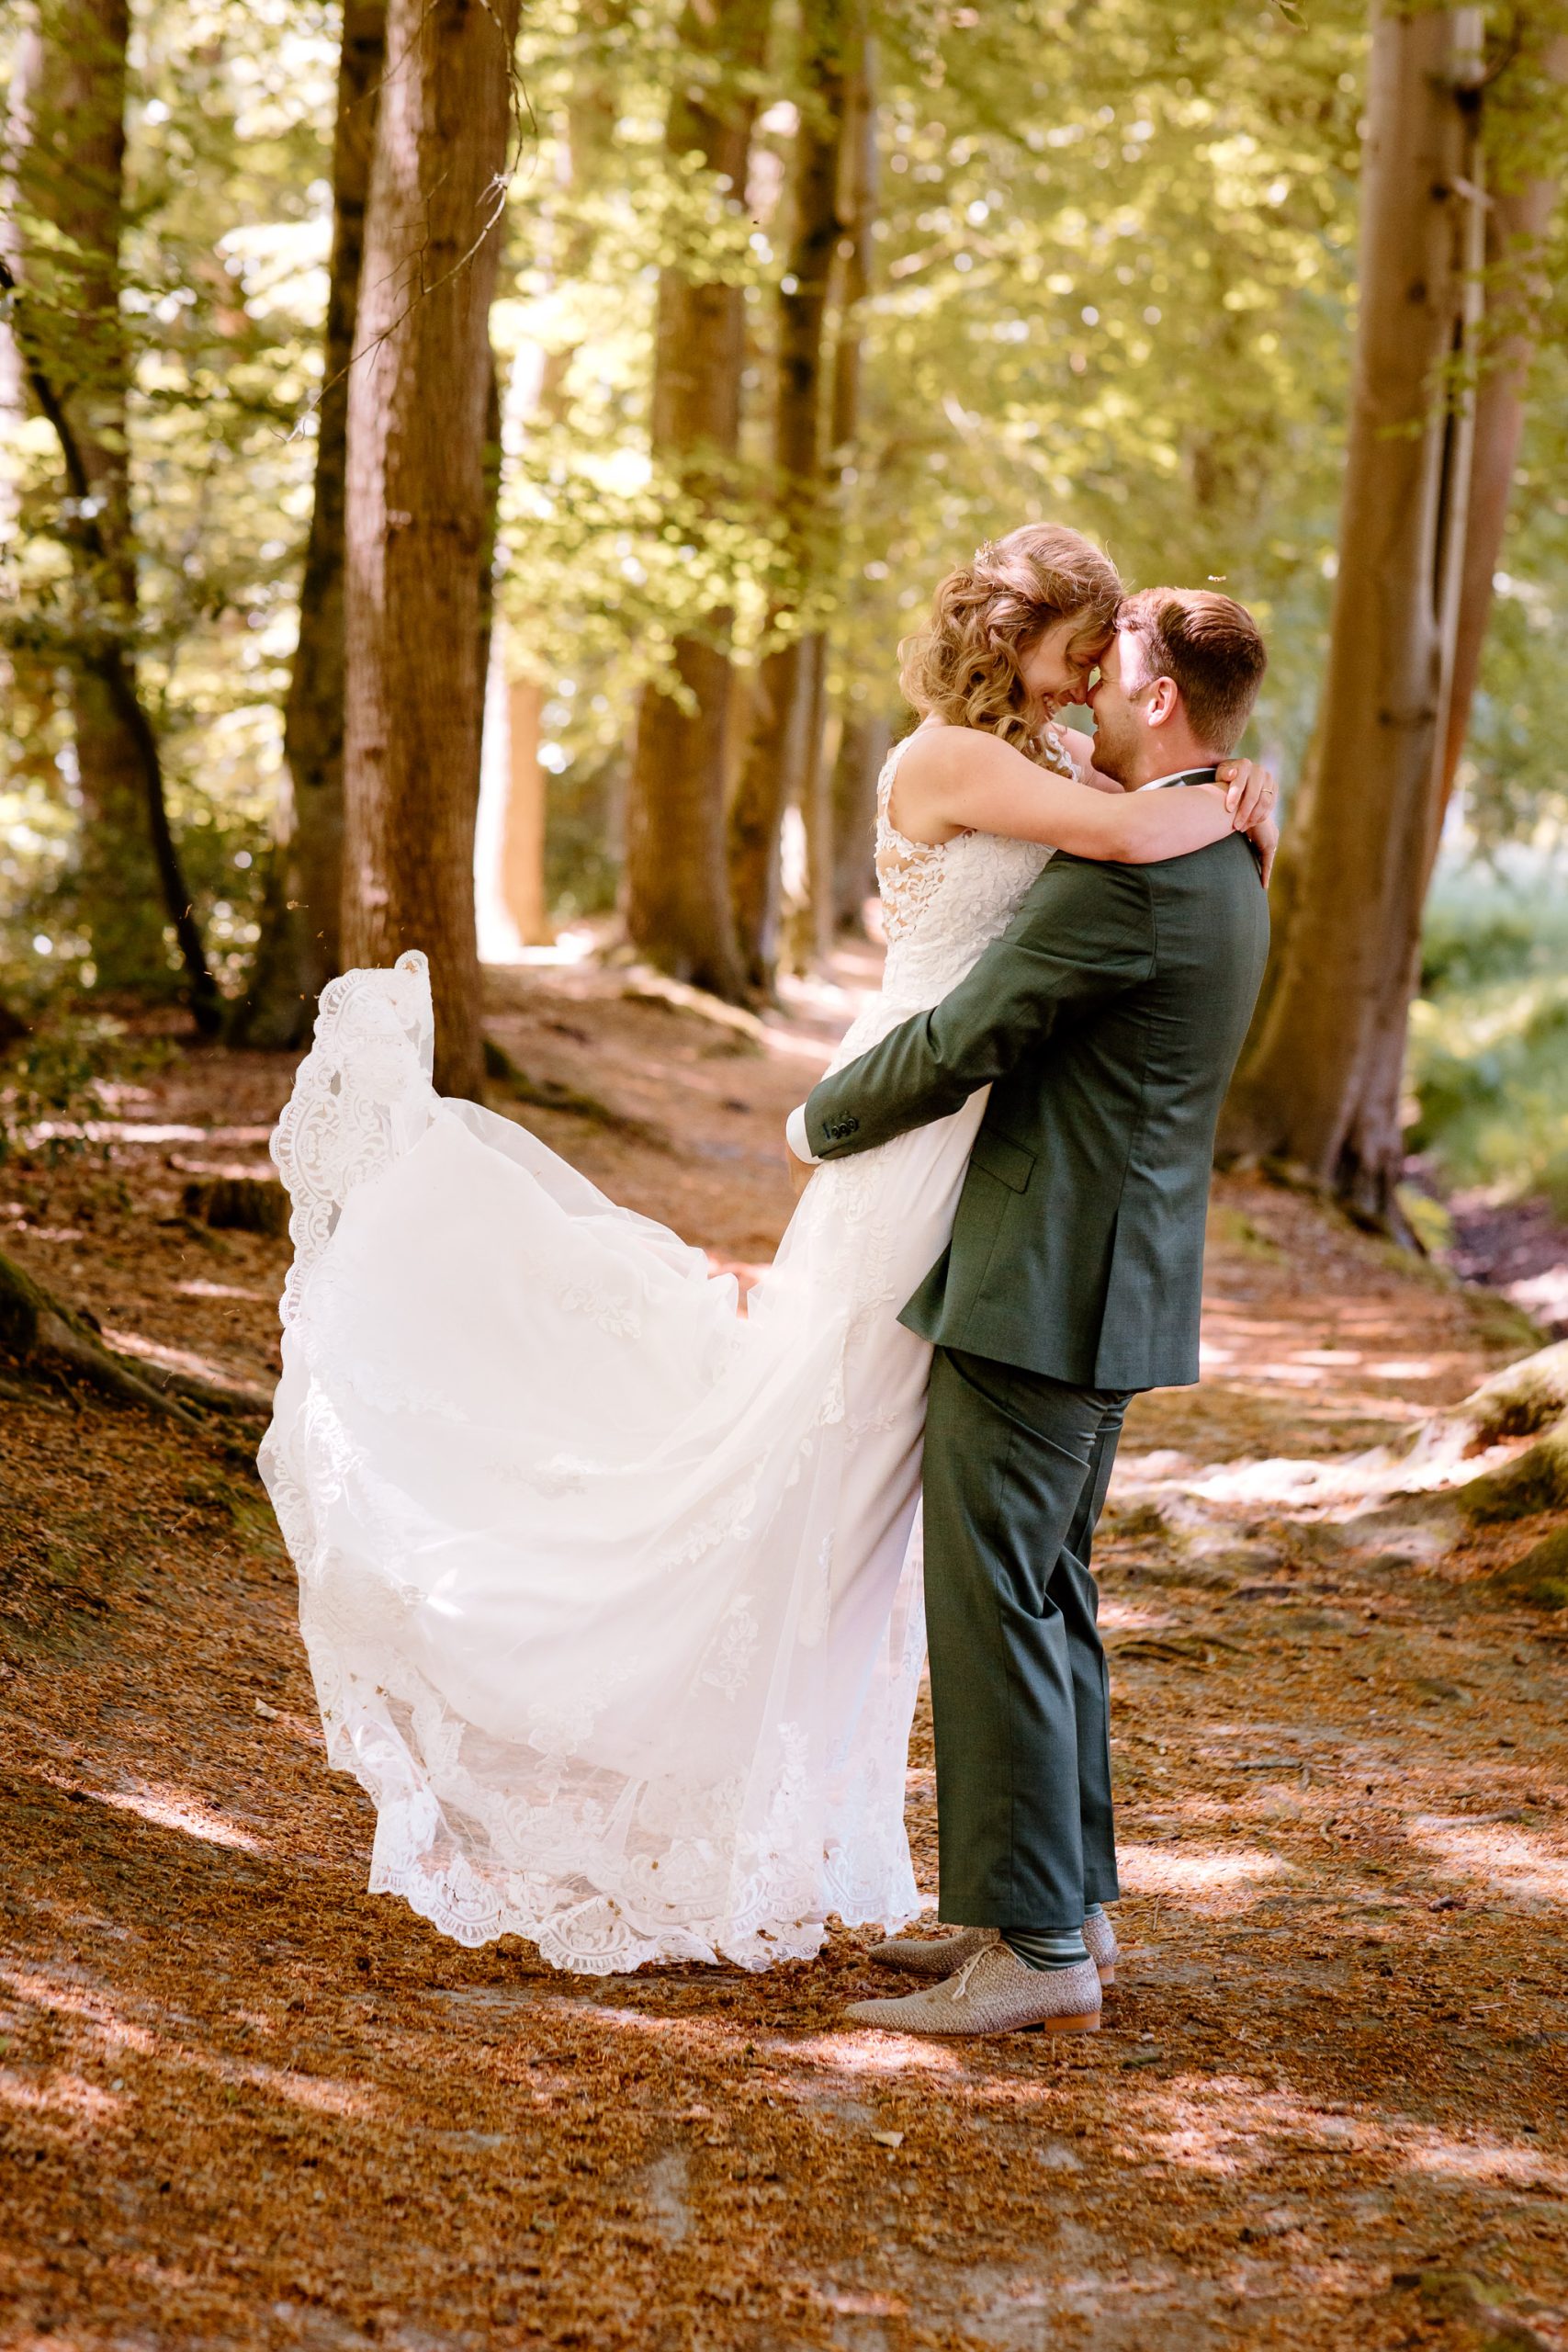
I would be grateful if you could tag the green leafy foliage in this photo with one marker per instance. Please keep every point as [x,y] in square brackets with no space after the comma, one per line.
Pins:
[1113,281]
[1489,1036]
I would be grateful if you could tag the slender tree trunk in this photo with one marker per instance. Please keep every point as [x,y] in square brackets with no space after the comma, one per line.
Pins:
[817,799]
[417,511]
[522,827]
[589,159]
[678,910]
[862,746]
[844,869]
[1322,1089]
[1517,221]
[779,755]
[863,741]
[301,944]
[68,114]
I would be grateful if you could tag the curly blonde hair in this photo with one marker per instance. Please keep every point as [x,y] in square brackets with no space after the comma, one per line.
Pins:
[962,666]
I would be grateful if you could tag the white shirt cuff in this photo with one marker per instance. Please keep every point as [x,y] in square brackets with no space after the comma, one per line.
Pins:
[797,1139]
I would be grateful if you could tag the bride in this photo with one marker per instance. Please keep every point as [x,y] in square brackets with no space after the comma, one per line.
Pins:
[609,1592]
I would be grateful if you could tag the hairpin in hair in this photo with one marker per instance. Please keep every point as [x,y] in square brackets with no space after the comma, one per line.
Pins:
[984,553]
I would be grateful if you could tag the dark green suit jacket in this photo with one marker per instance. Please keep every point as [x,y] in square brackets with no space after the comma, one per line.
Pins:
[1106,1020]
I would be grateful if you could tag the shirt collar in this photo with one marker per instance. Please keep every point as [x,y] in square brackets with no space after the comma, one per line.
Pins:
[1179,776]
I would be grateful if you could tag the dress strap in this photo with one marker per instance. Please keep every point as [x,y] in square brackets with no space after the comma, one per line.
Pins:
[890,769]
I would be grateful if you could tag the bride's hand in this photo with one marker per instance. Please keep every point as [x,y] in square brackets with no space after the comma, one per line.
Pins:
[1265,840]
[1250,794]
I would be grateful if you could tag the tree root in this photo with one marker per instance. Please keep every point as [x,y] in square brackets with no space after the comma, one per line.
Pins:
[1525,1399]
[44,1338]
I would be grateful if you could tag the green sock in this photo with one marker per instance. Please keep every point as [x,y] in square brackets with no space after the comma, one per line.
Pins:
[1046,1948]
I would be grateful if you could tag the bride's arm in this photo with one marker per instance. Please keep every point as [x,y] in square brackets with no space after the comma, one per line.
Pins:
[959,779]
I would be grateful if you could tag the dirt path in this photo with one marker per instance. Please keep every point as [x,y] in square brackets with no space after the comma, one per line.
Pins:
[242,2103]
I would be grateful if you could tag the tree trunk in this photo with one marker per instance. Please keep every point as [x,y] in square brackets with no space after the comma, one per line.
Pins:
[863,741]
[522,826]
[817,801]
[862,746]
[846,797]
[678,909]
[300,946]
[68,116]
[417,511]
[591,113]
[1516,223]
[779,755]
[1323,1090]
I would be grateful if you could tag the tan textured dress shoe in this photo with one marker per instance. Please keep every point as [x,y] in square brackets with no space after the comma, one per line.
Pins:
[939,1955]
[994,1993]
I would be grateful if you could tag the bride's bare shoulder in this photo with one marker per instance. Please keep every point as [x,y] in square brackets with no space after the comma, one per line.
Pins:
[938,749]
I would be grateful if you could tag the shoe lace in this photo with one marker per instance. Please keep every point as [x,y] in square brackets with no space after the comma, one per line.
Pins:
[961,1982]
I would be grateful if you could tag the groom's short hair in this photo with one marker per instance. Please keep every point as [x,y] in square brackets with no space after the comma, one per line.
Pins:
[1209,647]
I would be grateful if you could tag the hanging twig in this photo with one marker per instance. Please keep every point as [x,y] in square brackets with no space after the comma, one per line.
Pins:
[524,121]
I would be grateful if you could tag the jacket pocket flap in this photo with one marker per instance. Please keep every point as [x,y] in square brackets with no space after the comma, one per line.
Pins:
[1008,1162]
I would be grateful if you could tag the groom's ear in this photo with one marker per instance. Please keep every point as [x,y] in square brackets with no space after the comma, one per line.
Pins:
[1164,703]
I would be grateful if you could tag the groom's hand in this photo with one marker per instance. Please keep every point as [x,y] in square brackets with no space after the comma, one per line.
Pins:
[801,1172]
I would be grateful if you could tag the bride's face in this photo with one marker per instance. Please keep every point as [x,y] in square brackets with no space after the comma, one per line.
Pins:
[1056,669]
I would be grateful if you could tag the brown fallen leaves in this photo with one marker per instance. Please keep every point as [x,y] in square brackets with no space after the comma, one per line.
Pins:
[242,2102]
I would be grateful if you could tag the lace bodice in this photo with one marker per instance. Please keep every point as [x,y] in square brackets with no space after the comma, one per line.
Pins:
[943,901]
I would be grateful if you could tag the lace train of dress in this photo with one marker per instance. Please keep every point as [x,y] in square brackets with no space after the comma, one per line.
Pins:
[609,1594]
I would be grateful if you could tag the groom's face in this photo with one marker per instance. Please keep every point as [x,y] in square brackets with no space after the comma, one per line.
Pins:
[1115,698]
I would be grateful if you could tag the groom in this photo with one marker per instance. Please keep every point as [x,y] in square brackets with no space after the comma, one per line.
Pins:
[1106,1022]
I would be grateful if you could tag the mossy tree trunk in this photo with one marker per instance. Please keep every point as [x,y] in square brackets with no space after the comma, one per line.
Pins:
[1322,1089]
[67,109]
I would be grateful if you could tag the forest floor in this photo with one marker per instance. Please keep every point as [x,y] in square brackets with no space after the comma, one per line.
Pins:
[244,2103]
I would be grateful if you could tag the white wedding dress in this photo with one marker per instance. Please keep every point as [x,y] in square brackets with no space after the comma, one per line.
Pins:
[609,1593]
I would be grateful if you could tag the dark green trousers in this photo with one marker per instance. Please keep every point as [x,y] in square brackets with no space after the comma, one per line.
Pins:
[1016,1469]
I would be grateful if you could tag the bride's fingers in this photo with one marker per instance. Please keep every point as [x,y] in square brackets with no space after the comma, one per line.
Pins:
[1236,777]
[1255,793]
[1267,793]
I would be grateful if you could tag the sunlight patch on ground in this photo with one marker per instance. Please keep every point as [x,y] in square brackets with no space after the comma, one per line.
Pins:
[1155,1870]
[113,1131]
[170,1810]
[186,1360]
[636,2021]
[1125,1616]
[860,2050]
[66,2095]
[118,2036]
[1508,1861]
[1228,2126]
[314,2091]
[61,2000]
[1471,2160]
